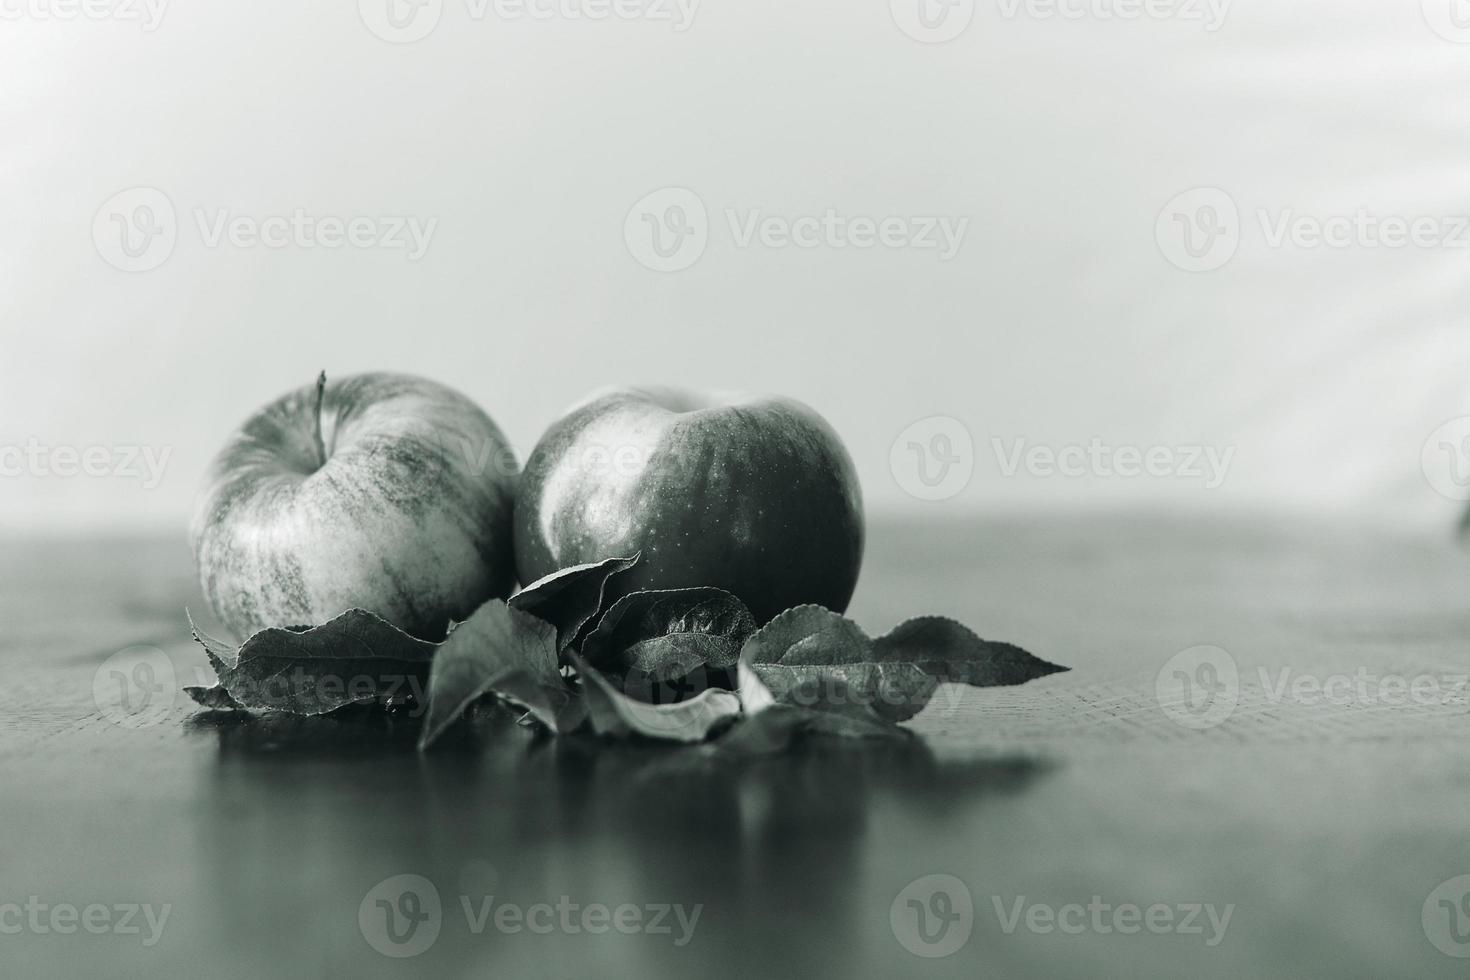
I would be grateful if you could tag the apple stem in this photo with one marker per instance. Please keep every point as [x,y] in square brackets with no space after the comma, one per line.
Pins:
[321,447]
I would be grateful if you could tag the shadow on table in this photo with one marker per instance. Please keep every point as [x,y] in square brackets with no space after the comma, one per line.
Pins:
[323,809]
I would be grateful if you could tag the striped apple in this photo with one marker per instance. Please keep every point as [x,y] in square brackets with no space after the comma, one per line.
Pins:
[382,491]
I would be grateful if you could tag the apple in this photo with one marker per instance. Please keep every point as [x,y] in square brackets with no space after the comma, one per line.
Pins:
[753,495]
[382,491]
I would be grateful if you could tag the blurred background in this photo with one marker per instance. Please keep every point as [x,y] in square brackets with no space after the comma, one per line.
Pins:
[1199,254]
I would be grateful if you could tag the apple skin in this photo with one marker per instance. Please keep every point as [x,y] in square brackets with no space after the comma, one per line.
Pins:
[409,516]
[756,496]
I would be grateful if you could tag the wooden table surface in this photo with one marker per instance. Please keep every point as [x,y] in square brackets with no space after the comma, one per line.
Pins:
[1326,824]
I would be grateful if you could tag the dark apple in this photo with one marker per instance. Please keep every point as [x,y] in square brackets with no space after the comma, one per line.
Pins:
[381,491]
[755,496]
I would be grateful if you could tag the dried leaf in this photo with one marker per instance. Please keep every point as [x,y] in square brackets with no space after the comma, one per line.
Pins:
[615,713]
[355,658]
[950,651]
[570,598]
[812,657]
[678,655]
[769,726]
[221,654]
[808,671]
[894,692]
[502,651]
[808,635]
[755,696]
[214,697]
[669,633]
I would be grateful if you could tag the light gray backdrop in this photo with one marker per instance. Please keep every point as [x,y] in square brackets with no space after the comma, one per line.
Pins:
[612,198]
